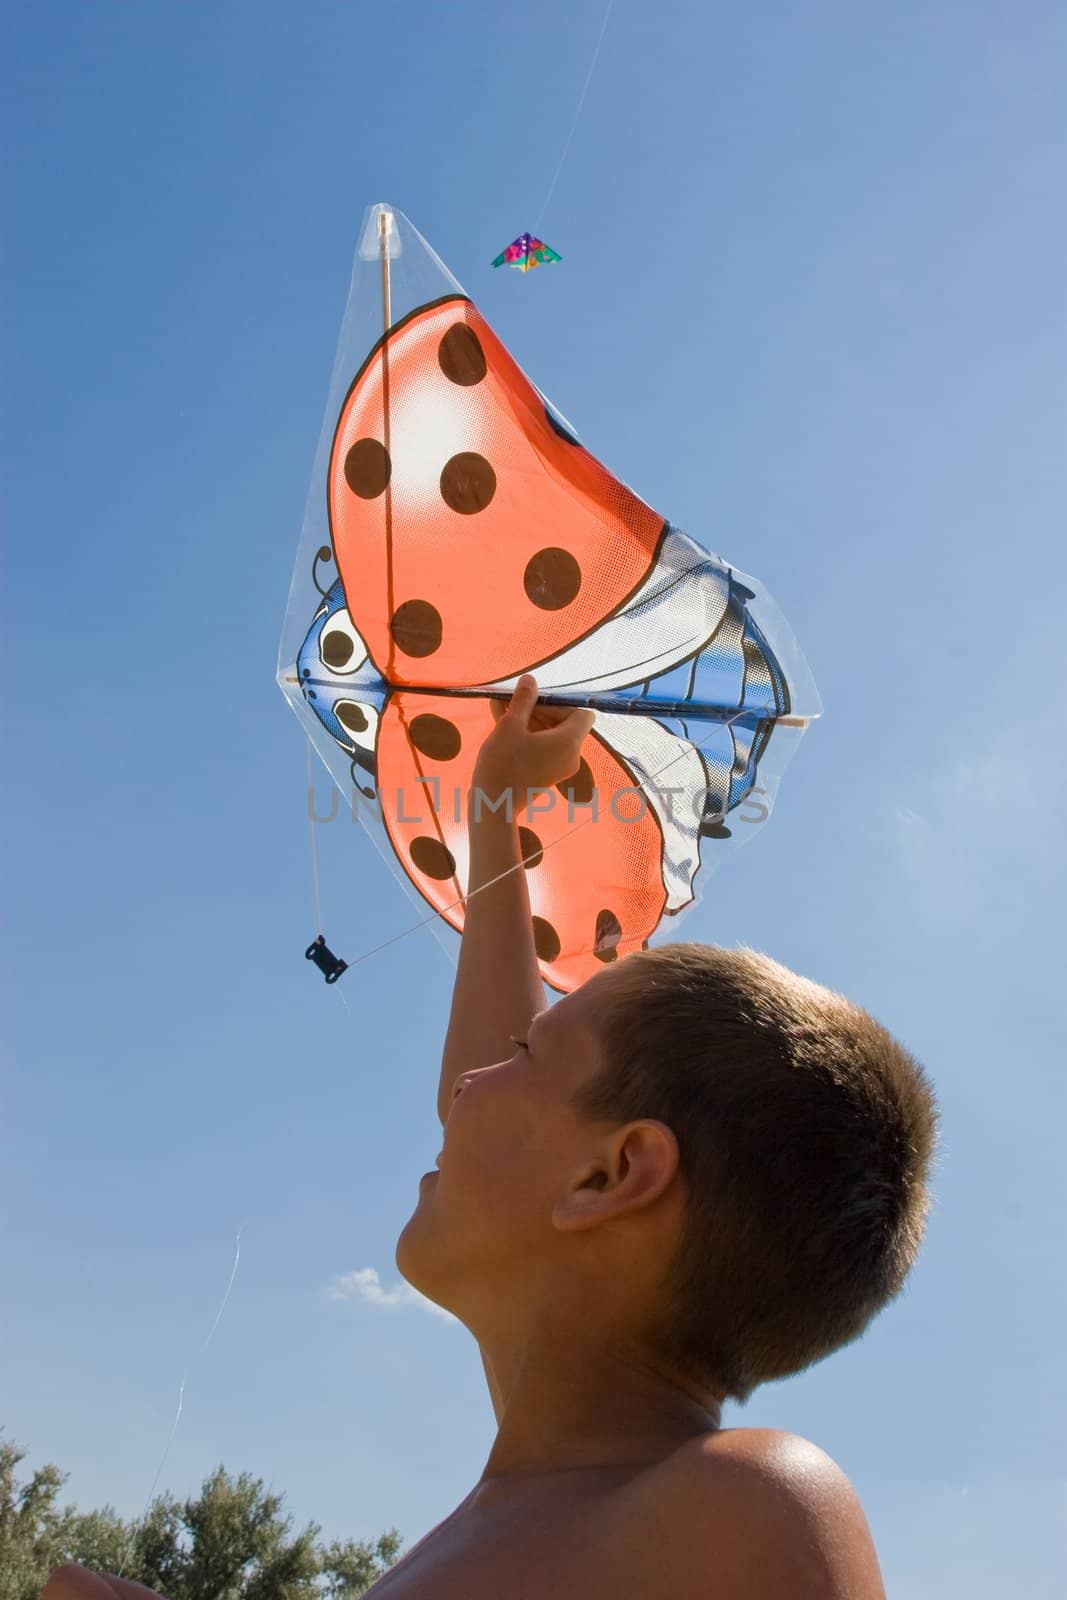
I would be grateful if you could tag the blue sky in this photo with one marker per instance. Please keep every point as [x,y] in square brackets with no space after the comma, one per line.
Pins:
[811,307]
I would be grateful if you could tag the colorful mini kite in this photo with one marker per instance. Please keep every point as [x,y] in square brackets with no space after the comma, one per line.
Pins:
[458,534]
[526,252]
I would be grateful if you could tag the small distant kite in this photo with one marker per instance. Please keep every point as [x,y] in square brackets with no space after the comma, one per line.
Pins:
[526,252]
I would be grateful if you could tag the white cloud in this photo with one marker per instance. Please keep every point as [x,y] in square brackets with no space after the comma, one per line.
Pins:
[365,1284]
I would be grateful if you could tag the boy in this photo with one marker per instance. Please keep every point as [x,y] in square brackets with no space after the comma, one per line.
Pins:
[695,1173]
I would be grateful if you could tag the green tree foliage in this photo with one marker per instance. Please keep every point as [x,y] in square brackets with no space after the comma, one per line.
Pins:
[232,1542]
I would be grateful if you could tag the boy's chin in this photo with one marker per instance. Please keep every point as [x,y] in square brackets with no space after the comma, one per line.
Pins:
[425,1261]
[413,1259]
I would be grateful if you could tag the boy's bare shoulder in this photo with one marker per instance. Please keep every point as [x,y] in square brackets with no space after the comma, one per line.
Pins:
[760,1514]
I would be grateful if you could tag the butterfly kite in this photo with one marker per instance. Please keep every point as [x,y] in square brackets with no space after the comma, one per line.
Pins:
[458,535]
[526,252]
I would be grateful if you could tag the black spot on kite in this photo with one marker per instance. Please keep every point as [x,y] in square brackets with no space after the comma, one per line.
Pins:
[531,848]
[546,940]
[435,737]
[468,483]
[461,355]
[552,578]
[577,790]
[368,469]
[337,648]
[608,934]
[432,858]
[416,628]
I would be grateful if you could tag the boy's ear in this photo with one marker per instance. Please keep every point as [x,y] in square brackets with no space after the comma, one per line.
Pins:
[634,1168]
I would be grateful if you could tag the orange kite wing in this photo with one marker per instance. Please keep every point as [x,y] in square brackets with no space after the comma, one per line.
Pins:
[596,892]
[474,536]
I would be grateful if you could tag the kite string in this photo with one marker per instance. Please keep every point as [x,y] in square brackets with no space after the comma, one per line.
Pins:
[181,1404]
[314,844]
[577,114]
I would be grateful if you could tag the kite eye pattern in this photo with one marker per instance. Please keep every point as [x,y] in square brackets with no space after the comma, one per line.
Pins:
[341,649]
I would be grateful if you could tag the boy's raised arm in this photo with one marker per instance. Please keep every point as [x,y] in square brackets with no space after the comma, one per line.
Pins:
[498,987]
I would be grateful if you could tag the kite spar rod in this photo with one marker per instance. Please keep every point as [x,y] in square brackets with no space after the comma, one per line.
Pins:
[384,219]
[386,226]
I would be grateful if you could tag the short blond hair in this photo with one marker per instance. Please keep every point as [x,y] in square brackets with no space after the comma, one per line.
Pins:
[805,1133]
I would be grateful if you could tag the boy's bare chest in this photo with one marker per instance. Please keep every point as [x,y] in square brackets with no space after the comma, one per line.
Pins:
[560,1549]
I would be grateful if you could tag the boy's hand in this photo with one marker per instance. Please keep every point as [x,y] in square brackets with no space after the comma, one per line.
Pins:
[532,747]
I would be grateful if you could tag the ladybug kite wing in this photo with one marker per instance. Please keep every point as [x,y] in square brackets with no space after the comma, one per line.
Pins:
[475,537]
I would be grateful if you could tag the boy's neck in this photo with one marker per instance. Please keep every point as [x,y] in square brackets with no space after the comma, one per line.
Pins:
[572,1402]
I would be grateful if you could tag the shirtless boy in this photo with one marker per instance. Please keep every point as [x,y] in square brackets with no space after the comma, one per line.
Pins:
[696,1173]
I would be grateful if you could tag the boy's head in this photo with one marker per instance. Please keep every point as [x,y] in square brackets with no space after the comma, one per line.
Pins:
[699,1150]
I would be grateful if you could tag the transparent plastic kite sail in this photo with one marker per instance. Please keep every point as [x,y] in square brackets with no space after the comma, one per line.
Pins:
[457,535]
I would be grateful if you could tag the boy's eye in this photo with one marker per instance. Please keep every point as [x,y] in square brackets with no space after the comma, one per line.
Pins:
[520,1044]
